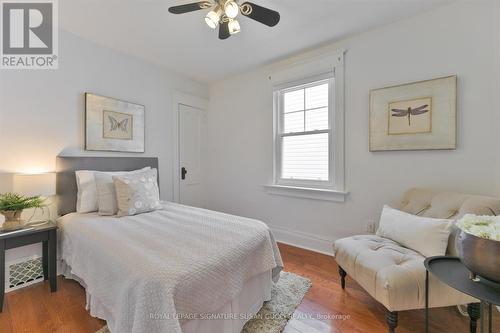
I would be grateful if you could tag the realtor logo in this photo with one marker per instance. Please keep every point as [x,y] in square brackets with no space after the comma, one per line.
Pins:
[29,34]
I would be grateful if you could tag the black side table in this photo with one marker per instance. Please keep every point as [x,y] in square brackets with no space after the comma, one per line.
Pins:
[451,271]
[46,234]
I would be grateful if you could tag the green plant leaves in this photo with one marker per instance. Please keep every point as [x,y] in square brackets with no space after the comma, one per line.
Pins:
[14,201]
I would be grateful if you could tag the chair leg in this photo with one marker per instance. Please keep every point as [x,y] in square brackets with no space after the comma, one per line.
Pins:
[343,274]
[474,311]
[391,318]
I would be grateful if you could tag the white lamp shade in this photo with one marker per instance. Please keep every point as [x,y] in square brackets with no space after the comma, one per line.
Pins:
[234,27]
[213,17]
[231,9]
[42,184]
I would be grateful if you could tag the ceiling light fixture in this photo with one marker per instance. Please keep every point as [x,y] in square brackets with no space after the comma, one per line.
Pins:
[234,27]
[231,9]
[213,17]
[224,13]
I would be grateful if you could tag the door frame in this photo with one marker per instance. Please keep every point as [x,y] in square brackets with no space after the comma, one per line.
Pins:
[179,98]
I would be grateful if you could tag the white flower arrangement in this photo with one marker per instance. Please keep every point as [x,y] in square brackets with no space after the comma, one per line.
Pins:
[484,226]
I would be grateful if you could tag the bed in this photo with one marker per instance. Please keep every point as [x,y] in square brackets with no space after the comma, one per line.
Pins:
[177,269]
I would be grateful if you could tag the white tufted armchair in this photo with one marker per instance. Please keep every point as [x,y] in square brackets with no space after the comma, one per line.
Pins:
[395,275]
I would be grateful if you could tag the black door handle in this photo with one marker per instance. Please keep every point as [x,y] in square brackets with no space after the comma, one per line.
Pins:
[183,173]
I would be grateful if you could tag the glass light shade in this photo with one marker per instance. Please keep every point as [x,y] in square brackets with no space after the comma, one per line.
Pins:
[231,9]
[234,27]
[43,184]
[213,17]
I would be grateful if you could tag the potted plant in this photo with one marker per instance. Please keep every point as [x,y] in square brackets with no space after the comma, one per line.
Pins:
[479,245]
[12,205]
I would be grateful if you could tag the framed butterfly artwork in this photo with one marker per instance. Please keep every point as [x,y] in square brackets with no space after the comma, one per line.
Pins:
[113,125]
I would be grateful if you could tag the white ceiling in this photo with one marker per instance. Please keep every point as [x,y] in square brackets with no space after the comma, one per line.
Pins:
[185,44]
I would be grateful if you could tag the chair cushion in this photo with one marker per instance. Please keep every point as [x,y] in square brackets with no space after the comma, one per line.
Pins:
[426,235]
[480,205]
[392,274]
[416,200]
[447,205]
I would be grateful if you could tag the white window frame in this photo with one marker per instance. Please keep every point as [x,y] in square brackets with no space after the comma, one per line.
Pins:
[327,67]
[279,135]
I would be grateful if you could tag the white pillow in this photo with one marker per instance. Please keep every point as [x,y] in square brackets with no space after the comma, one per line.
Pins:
[106,194]
[137,193]
[86,198]
[423,234]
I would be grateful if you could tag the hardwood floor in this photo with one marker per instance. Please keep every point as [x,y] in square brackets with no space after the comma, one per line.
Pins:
[359,312]
[326,307]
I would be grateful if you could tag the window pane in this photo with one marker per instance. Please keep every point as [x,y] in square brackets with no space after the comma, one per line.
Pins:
[305,157]
[317,97]
[317,119]
[294,101]
[294,122]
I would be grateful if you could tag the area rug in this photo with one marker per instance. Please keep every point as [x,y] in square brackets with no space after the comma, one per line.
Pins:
[286,296]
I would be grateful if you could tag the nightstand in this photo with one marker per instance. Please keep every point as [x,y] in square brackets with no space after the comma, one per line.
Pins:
[451,271]
[46,234]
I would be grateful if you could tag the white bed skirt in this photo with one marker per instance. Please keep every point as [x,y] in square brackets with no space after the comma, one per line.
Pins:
[239,310]
[229,319]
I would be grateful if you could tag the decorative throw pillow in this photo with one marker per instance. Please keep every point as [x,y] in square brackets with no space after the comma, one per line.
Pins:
[106,195]
[86,197]
[137,193]
[425,235]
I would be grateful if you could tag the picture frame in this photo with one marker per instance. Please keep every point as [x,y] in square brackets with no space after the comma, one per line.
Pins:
[113,125]
[420,115]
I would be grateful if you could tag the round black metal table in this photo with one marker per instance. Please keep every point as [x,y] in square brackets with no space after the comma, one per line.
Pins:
[451,271]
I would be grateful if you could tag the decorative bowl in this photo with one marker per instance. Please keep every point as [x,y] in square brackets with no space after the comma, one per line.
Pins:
[480,255]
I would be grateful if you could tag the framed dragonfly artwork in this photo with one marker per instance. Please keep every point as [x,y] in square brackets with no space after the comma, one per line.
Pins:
[113,125]
[414,116]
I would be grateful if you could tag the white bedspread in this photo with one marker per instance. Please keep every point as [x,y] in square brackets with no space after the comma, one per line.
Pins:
[152,271]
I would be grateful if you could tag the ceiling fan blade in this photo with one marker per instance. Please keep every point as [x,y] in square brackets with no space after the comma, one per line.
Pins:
[261,14]
[224,30]
[189,7]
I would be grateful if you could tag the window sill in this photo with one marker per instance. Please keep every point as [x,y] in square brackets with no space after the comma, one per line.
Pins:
[307,193]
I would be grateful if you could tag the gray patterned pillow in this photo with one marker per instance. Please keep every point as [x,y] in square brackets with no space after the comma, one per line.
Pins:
[137,193]
[106,195]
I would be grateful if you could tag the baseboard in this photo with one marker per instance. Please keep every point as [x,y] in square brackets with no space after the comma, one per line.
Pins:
[303,240]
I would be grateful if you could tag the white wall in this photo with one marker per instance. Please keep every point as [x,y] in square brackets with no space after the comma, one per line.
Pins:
[42,112]
[456,39]
[496,87]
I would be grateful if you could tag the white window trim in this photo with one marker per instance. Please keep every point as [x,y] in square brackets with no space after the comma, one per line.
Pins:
[302,72]
[307,193]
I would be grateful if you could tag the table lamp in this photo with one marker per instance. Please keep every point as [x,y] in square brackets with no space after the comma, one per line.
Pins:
[38,184]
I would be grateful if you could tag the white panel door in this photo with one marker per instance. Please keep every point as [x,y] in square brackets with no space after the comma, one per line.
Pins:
[190,155]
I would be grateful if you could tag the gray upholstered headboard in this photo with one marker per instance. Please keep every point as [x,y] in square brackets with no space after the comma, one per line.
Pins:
[66,166]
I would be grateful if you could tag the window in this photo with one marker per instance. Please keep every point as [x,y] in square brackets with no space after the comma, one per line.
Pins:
[304,134]
[308,134]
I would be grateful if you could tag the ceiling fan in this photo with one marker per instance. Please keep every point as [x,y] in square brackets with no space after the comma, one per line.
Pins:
[223,13]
